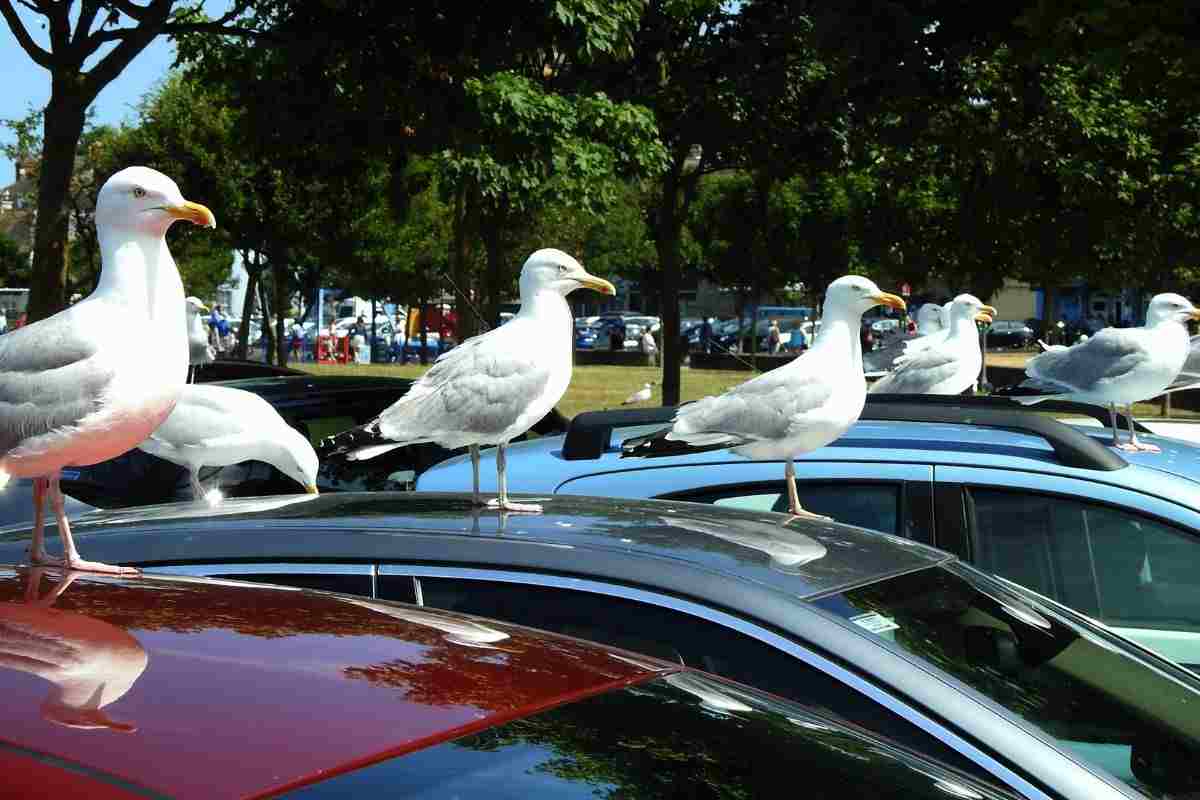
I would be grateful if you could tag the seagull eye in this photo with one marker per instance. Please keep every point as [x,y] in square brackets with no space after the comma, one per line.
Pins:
[139,192]
[562,269]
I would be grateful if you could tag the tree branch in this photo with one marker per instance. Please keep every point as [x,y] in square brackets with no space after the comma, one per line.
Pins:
[133,42]
[60,27]
[87,16]
[132,10]
[114,35]
[39,56]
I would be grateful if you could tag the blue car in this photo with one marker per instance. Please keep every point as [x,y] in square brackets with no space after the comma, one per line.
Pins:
[1016,492]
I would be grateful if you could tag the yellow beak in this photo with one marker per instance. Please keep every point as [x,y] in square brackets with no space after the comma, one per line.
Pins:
[986,314]
[311,489]
[1195,313]
[599,284]
[194,213]
[890,300]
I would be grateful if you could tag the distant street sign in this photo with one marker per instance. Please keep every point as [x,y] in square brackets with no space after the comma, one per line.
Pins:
[905,290]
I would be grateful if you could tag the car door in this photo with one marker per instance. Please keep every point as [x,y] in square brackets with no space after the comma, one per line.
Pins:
[1127,559]
[893,498]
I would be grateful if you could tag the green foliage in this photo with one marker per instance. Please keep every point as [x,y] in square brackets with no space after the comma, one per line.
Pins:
[14,263]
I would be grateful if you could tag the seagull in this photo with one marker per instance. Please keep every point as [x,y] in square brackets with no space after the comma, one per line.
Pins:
[798,407]
[214,426]
[1189,376]
[199,350]
[640,396]
[948,365]
[89,663]
[1118,366]
[492,387]
[90,382]
[932,318]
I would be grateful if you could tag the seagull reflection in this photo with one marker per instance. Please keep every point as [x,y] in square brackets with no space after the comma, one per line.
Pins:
[788,550]
[89,663]
[457,630]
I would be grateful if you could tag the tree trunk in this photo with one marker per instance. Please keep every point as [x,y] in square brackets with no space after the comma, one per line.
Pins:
[243,338]
[1049,300]
[494,281]
[424,320]
[460,255]
[268,336]
[281,309]
[667,244]
[63,123]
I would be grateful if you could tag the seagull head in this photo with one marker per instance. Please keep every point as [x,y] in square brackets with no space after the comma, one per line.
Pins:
[929,319]
[1170,307]
[555,270]
[195,306]
[144,201]
[296,458]
[970,307]
[857,294]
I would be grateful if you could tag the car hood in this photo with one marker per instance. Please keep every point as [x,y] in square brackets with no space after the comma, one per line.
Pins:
[201,688]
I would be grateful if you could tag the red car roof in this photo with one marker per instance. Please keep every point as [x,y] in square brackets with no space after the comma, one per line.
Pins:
[199,688]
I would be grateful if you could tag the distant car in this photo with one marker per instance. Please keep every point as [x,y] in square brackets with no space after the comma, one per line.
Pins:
[208,689]
[1046,504]
[862,639]
[586,335]
[1010,333]
[885,326]
[316,405]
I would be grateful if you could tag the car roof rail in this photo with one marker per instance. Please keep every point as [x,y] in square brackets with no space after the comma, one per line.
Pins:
[1073,448]
[1098,413]
[590,433]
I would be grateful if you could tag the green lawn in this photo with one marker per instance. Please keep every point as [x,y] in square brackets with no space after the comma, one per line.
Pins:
[591,388]
[600,387]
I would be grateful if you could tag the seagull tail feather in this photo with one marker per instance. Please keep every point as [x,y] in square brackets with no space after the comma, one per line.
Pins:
[667,442]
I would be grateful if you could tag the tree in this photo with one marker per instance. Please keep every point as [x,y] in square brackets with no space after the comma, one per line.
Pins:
[111,33]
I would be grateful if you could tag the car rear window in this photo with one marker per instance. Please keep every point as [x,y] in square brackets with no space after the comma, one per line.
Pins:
[1133,717]
[684,735]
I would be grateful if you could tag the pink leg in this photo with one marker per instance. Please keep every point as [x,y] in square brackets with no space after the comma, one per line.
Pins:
[794,507]
[37,547]
[70,554]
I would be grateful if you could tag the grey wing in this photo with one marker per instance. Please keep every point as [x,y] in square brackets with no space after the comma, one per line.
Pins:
[762,408]
[51,377]
[1189,376]
[884,358]
[918,373]
[481,387]
[1109,354]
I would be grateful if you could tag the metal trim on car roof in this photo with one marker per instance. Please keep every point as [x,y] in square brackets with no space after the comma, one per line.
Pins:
[908,712]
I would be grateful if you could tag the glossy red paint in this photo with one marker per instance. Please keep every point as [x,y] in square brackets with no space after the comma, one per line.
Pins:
[194,688]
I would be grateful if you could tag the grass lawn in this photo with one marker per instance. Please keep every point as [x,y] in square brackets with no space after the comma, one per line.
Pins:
[592,388]
[600,387]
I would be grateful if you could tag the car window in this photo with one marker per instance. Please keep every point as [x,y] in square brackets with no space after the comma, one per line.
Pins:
[317,428]
[1133,717]
[672,636]
[328,582]
[869,505]
[1119,567]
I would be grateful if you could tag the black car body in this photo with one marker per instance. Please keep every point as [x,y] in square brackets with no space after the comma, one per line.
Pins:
[887,634]
[1010,333]
[316,405]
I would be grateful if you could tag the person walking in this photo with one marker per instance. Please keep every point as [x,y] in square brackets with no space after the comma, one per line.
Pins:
[773,338]
[649,346]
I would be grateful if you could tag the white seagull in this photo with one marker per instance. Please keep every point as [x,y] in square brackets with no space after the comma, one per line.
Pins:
[199,350]
[1118,366]
[214,426]
[801,406]
[949,364]
[640,396]
[95,379]
[493,387]
[932,318]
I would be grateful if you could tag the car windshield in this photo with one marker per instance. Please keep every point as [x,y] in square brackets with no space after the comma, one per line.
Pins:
[1125,712]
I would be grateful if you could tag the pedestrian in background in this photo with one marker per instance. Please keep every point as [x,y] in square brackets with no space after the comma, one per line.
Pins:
[773,337]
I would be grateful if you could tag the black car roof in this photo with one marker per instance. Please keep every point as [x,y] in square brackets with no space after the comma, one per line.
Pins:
[669,545]
[286,385]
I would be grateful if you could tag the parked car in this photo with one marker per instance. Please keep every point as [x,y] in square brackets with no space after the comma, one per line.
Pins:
[1019,494]
[895,639]
[215,686]
[316,405]
[1010,333]
[586,336]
